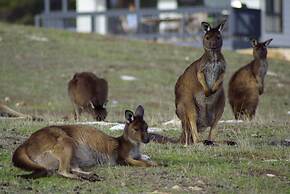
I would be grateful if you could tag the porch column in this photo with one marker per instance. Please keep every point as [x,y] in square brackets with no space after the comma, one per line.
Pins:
[84,23]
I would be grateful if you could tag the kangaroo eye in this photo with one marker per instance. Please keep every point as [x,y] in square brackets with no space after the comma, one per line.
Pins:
[207,37]
[136,129]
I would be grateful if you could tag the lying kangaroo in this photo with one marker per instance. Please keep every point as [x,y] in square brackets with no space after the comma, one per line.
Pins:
[89,93]
[199,93]
[6,111]
[69,148]
[247,83]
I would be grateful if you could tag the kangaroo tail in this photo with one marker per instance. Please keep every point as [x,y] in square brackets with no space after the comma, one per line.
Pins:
[12,113]
[161,139]
[21,160]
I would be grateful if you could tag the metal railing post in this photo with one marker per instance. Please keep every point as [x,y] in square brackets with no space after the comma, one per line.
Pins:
[64,6]
[93,23]
[37,21]
[138,14]
[183,25]
[46,6]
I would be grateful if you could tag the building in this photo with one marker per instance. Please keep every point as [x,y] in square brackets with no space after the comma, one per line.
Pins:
[155,19]
[275,20]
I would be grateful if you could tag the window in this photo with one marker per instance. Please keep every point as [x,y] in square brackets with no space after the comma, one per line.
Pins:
[274,16]
[182,3]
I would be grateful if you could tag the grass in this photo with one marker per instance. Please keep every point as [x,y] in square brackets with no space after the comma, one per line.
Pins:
[37,72]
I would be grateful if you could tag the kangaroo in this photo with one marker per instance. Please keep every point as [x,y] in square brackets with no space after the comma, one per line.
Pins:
[69,148]
[247,83]
[6,111]
[199,93]
[88,93]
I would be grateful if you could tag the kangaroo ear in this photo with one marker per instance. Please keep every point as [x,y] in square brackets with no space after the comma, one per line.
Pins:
[139,111]
[92,105]
[254,43]
[267,42]
[221,26]
[205,26]
[129,115]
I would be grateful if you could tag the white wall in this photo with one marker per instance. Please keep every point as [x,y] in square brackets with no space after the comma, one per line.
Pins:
[279,39]
[252,4]
[84,22]
[163,5]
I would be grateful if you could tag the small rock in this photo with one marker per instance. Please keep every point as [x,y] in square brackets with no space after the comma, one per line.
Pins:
[286,142]
[270,73]
[114,102]
[200,182]
[270,175]
[128,78]
[257,135]
[28,188]
[118,127]
[279,85]
[77,188]
[37,38]
[7,99]
[231,121]
[176,187]
[271,160]
[186,58]
[159,192]
[19,104]
[145,157]
[195,188]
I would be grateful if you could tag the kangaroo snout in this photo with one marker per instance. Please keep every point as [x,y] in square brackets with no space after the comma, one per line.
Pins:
[146,139]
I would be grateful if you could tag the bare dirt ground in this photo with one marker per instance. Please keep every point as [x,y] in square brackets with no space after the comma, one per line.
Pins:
[273,53]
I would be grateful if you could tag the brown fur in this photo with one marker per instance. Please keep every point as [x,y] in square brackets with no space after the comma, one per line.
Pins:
[89,93]
[247,83]
[69,148]
[199,93]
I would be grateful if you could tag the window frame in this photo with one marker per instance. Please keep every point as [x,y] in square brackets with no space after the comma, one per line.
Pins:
[272,14]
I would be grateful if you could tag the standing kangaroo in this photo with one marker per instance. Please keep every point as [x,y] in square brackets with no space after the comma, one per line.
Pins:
[88,93]
[247,83]
[69,148]
[199,93]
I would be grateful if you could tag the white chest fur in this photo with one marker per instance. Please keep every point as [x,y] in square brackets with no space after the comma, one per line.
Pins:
[263,69]
[212,70]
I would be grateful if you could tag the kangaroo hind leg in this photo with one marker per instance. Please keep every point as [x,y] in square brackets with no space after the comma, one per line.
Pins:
[63,151]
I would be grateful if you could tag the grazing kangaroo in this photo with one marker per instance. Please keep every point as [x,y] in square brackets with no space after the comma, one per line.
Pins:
[247,83]
[89,93]
[5,111]
[199,93]
[69,148]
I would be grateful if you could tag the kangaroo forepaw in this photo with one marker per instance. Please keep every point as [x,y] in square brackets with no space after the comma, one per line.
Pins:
[91,177]
[231,143]
[208,143]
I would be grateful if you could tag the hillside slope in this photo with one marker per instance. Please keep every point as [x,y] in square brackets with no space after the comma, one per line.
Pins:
[36,64]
